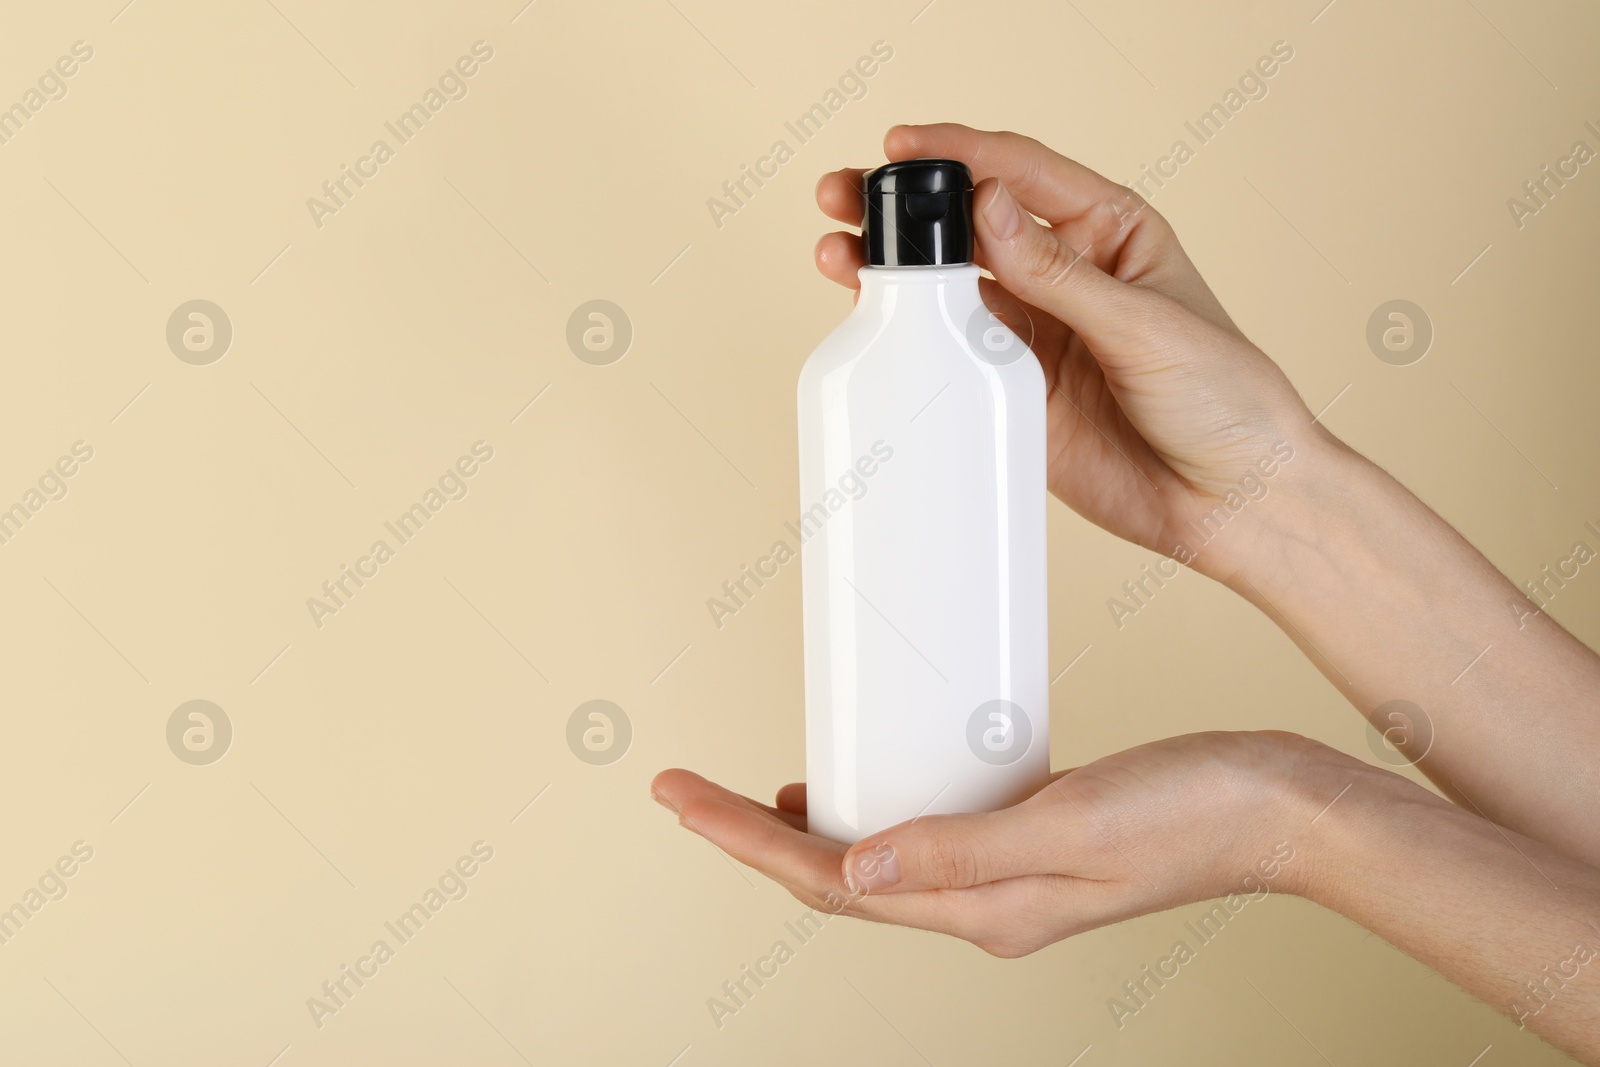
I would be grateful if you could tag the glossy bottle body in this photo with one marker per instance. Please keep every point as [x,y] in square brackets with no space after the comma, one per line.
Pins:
[922,474]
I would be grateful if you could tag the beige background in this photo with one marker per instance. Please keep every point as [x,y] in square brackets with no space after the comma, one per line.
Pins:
[370,353]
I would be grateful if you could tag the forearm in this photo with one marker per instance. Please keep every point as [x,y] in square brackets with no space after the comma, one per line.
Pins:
[1512,921]
[1392,604]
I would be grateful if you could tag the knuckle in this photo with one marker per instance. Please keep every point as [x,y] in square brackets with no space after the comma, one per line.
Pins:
[1051,260]
[952,862]
[1030,175]
[1128,209]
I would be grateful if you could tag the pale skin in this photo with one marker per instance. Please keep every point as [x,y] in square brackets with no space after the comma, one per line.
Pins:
[1158,405]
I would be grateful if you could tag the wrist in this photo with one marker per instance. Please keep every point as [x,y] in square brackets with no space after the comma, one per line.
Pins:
[1272,785]
[1311,525]
[1302,792]
[1354,826]
[1242,529]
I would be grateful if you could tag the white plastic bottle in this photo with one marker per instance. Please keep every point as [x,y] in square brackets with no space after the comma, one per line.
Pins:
[922,480]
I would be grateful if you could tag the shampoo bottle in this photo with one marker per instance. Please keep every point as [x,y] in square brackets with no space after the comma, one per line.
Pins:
[922,483]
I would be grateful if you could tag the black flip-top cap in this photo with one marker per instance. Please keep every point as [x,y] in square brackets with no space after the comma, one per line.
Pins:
[918,214]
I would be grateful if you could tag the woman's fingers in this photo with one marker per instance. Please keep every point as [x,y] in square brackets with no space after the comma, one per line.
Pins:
[809,867]
[1115,319]
[1049,184]
[768,844]
[959,851]
[792,798]
[1113,226]
[839,195]
[839,257]
[672,788]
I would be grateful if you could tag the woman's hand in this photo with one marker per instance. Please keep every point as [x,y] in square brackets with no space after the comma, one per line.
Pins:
[1205,816]
[1159,407]
[1166,422]
[1177,821]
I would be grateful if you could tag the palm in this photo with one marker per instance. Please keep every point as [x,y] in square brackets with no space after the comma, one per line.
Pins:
[1149,828]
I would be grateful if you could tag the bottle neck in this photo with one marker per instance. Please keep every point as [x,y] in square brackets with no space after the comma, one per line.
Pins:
[917,286]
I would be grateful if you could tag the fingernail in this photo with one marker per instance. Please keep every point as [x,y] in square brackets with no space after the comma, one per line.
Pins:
[1001,213]
[877,868]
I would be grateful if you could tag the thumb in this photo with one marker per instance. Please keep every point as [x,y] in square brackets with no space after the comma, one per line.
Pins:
[1112,317]
[950,851]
